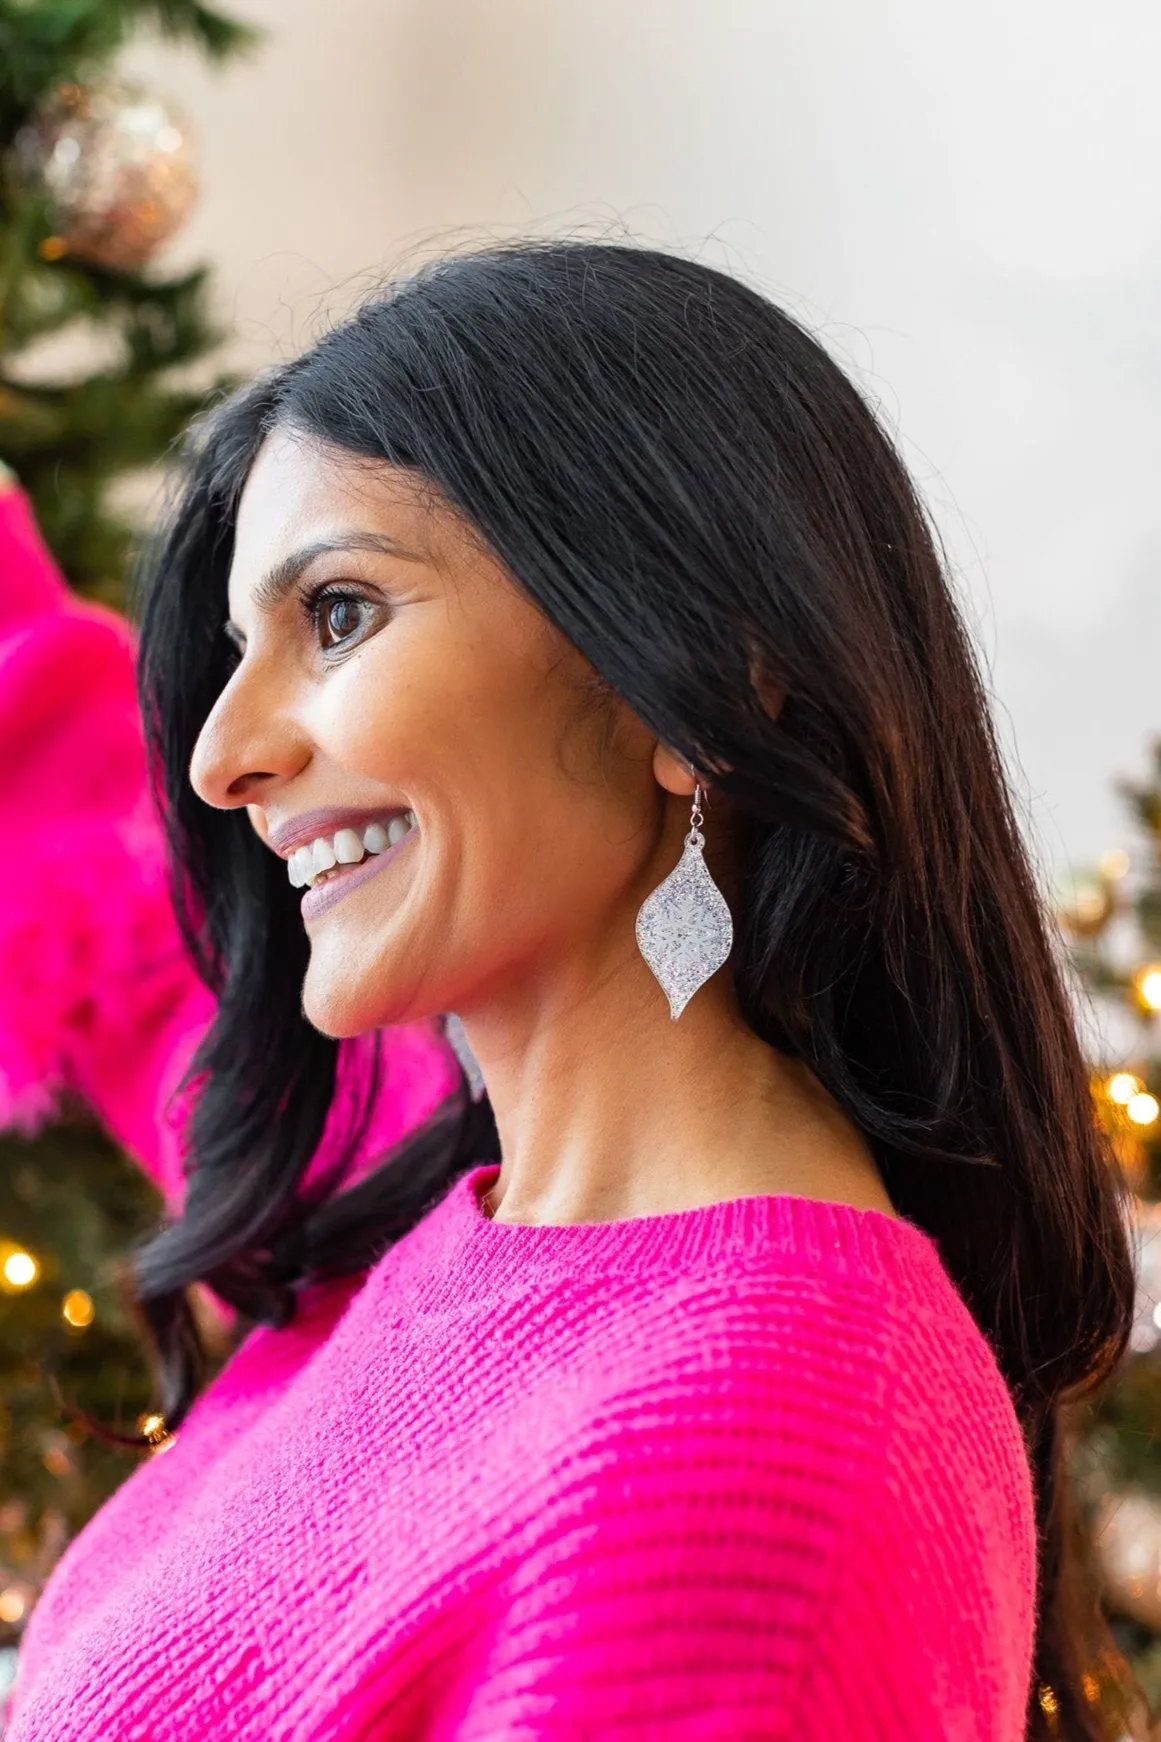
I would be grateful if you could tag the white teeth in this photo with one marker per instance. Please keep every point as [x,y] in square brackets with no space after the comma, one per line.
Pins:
[308,863]
[348,847]
[322,855]
[301,867]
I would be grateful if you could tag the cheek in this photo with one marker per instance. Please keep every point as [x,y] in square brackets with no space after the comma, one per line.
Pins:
[531,833]
[420,703]
[368,721]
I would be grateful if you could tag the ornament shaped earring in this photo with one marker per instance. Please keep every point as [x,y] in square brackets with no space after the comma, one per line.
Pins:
[684,929]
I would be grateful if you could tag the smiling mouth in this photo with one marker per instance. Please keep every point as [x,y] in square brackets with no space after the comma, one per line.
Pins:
[339,883]
[331,857]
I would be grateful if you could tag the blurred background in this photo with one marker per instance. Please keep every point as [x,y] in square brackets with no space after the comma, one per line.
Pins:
[963,203]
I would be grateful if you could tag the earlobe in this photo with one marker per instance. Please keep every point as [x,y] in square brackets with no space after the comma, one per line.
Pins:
[672,773]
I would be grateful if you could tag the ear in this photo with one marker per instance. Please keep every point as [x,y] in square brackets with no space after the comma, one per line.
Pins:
[674,775]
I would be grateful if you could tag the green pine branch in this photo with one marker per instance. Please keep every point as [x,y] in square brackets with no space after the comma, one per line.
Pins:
[68,441]
[47,42]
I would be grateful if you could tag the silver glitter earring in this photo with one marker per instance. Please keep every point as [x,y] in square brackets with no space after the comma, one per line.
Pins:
[684,929]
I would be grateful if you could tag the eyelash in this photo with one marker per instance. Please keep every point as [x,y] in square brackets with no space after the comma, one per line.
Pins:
[314,601]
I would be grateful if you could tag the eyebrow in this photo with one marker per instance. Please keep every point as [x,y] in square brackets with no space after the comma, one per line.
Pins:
[278,581]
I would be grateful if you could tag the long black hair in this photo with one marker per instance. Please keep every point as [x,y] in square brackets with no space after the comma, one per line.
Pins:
[694,493]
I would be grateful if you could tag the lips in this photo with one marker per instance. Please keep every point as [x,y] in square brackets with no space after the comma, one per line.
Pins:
[324,895]
[309,825]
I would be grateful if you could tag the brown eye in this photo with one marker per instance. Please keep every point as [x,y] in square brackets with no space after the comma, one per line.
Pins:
[336,615]
[340,617]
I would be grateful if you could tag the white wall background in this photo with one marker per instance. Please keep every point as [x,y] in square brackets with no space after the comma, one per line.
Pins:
[965,202]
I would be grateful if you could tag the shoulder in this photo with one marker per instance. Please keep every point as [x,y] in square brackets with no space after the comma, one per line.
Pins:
[872,1334]
[785,1471]
[797,1374]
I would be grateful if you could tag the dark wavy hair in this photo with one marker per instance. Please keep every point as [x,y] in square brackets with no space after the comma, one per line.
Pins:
[694,493]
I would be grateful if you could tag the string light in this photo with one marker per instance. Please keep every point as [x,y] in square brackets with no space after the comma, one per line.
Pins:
[1147,981]
[1122,1087]
[77,1308]
[12,1604]
[160,1438]
[1114,864]
[18,1268]
[1143,1109]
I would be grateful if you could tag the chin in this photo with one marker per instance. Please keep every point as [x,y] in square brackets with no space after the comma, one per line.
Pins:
[338,1021]
[337,1008]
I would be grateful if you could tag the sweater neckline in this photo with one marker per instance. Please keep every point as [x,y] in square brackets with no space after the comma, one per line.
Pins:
[820,1232]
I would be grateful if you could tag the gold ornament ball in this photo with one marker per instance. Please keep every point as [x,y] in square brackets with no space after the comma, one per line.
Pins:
[116,164]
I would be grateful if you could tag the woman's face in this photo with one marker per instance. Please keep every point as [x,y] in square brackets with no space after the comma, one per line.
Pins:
[427,687]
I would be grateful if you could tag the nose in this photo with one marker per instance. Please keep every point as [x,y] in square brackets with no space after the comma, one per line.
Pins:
[247,749]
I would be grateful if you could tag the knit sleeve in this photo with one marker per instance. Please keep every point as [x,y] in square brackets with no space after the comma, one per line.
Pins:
[929,1625]
[788,1558]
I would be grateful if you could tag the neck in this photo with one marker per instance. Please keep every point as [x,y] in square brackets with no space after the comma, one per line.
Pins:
[607,1109]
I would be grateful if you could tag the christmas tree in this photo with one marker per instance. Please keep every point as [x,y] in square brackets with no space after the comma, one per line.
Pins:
[1111,918]
[95,175]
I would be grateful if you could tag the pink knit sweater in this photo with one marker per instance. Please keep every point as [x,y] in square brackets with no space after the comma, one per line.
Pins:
[745,1471]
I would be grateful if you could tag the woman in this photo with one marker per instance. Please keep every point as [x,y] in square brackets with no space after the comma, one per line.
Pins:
[571,635]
